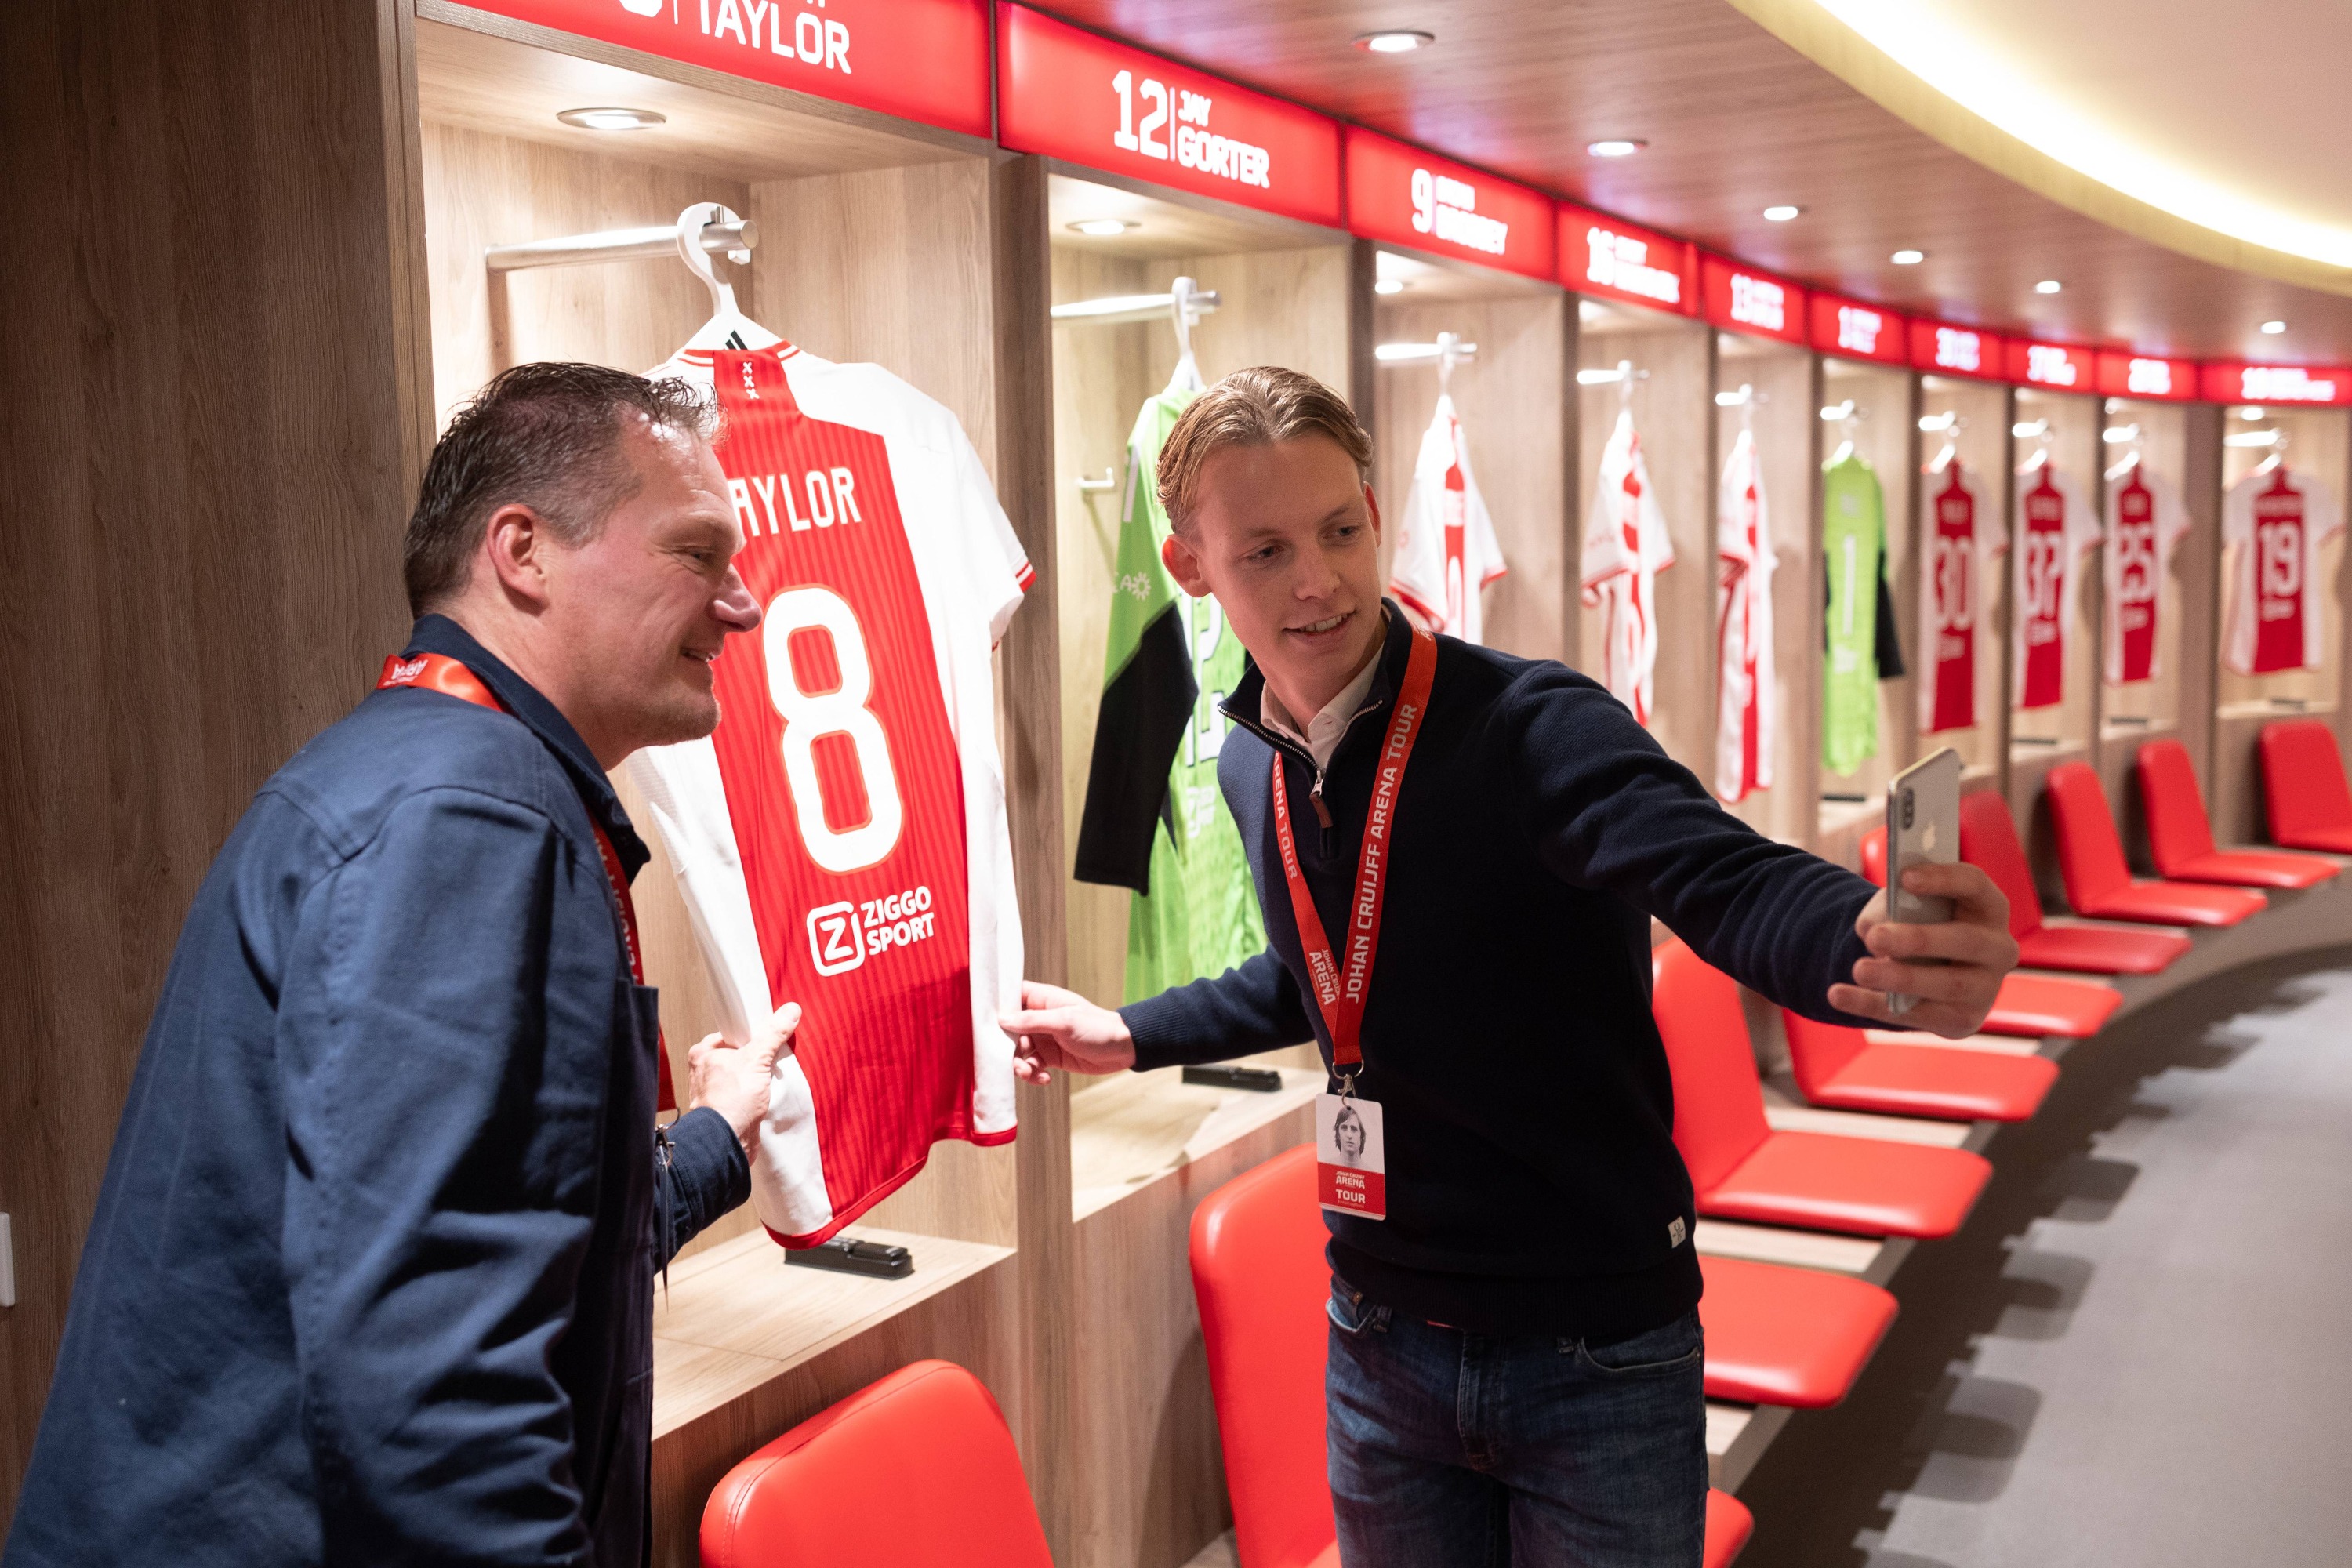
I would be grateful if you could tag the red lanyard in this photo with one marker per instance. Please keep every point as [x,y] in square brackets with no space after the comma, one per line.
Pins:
[1340,990]
[435,672]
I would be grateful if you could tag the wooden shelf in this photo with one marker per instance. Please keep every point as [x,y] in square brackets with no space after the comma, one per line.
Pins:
[737,1317]
[1134,1129]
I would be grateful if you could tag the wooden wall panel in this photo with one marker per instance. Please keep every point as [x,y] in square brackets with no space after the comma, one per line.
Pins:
[2041,739]
[2132,715]
[1673,407]
[1515,422]
[212,447]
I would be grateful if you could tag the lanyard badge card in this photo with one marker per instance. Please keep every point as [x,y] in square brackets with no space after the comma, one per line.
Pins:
[1350,1158]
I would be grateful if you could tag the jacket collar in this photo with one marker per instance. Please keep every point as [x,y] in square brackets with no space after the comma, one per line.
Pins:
[439,633]
[1245,705]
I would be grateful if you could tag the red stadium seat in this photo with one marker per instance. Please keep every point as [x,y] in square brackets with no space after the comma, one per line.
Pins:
[1741,1169]
[2181,835]
[2303,787]
[915,1471]
[2099,883]
[1839,1068]
[1788,1336]
[1259,1274]
[1989,840]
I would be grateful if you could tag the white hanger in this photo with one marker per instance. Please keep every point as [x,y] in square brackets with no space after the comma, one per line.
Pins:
[1625,379]
[2130,459]
[2039,458]
[728,328]
[1187,316]
[2277,459]
[1450,352]
[1849,419]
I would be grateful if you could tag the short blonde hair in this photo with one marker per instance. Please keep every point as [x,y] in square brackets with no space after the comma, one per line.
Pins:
[1260,406]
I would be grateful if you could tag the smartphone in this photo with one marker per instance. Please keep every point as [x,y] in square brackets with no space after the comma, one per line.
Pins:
[1922,828]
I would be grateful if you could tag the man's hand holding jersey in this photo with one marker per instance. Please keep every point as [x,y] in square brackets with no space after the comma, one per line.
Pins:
[1954,969]
[1057,1028]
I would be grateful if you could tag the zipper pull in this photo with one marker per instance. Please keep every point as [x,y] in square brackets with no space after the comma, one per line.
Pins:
[1323,815]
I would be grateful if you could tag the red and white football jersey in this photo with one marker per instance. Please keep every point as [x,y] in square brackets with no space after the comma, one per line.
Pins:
[1625,547]
[1746,726]
[2277,521]
[2144,521]
[1446,549]
[2054,530]
[841,839]
[1966,539]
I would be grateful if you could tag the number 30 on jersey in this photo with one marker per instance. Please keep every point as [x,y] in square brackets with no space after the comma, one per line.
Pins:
[809,717]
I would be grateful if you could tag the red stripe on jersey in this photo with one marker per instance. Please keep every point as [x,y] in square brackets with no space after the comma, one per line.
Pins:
[845,785]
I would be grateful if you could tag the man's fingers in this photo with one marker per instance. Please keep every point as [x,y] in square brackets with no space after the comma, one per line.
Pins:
[1979,898]
[768,1042]
[1861,1004]
[1056,1022]
[1941,982]
[1953,941]
[1036,994]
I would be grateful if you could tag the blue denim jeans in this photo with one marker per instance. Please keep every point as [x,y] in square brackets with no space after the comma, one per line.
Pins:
[1458,1450]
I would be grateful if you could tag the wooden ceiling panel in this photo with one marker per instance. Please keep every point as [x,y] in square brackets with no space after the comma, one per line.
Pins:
[1735,120]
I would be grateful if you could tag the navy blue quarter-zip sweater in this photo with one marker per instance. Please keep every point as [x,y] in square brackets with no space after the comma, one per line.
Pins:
[1533,1184]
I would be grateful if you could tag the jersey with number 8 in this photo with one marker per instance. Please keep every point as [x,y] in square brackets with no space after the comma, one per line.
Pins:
[832,811]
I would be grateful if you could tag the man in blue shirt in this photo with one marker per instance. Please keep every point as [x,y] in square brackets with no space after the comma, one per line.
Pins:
[370,1277]
[1515,1355]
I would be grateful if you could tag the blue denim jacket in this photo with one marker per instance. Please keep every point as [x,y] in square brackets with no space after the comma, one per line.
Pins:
[370,1277]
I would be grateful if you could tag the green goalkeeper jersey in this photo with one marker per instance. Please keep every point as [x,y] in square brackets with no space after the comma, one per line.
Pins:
[1155,820]
[1854,542]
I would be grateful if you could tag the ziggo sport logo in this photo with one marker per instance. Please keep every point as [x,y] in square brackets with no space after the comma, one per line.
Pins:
[844,935]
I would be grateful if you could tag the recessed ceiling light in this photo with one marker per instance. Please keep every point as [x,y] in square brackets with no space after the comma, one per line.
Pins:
[1782,214]
[1908,257]
[2048,286]
[2274,328]
[1102,227]
[613,118]
[2250,414]
[1615,148]
[1394,43]
[1389,286]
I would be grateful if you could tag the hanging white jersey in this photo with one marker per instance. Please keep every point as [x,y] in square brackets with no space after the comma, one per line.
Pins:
[1745,727]
[2277,521]
[1967,541]
[841,838]
[1446,549]
[1625,547]
[2054,530]
[2144,521]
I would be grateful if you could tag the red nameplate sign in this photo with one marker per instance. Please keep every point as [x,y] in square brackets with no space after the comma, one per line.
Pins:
[1957,351]
[1852,330]
[919,60]
[2051,365]
[1068,93]
[2238,382]
[1397,193]
[1743,299]
[1612,259]
[2146,376]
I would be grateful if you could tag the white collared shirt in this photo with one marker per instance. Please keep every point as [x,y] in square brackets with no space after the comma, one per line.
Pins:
[1323,731]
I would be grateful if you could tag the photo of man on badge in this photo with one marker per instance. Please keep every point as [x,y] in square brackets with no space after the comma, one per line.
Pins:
[1490,836]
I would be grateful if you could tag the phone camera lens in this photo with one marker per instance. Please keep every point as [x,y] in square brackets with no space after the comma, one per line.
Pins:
[1906,809]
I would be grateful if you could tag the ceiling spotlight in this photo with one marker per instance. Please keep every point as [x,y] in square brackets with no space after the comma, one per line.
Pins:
[1908,257]
[1389,286]
[1394,43]
[1782,214]
[613,118]
[2048,286]
[1615,148]
[2250,414]
[2274,328]
[1102,227]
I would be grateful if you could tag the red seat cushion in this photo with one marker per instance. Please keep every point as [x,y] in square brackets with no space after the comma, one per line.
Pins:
[1718,1098]
[2098,882]
[2178,830]
[836,1488]
[2254,869]
[2100,950]
[1729,1526]
[1927,1081]
[1873,854]
[1786,1336]
[1259,1274]
[2175,904]
[1988,842]
[1863,1185]
[2303,787]
[2035,1004]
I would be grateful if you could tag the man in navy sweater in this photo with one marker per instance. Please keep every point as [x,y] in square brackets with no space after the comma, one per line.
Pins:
[1515,1365]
